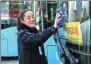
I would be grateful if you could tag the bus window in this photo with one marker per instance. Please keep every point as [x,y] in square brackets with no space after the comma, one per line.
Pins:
[9,13]
[51,10]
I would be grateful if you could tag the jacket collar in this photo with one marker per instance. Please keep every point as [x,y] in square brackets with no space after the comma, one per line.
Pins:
[32,29]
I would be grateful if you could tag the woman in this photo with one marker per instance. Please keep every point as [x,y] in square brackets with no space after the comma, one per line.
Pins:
[29,38]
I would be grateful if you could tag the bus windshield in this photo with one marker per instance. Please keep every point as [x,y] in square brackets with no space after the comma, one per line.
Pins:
[9,14]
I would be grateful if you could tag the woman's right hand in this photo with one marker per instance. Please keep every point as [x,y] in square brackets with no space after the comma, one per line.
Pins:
[57,18]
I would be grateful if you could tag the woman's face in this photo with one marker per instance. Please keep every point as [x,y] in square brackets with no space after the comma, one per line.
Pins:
[28,19]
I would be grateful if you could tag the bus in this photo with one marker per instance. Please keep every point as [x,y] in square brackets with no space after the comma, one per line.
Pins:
[53,50]
[8,29]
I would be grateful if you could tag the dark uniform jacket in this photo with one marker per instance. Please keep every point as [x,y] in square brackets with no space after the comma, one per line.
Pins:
[29,40]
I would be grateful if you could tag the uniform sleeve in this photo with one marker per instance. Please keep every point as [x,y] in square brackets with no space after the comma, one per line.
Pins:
[36,38]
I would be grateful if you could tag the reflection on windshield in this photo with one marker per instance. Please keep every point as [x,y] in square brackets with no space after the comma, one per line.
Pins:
[8,23]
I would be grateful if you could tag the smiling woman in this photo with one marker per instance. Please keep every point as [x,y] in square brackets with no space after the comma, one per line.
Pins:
[28,19]
[30,39]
